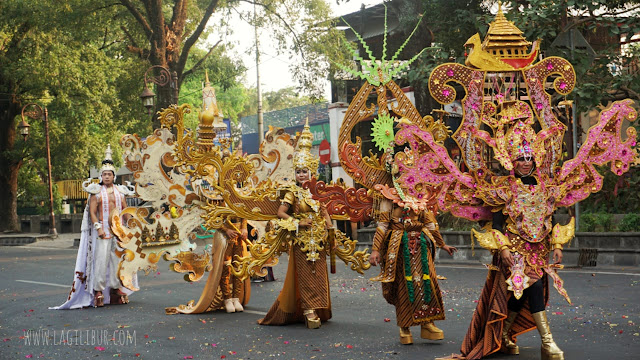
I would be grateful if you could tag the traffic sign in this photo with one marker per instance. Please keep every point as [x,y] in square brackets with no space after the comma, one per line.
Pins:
[325,152]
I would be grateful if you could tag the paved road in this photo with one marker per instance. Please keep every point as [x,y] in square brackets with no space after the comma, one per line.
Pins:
[603,322]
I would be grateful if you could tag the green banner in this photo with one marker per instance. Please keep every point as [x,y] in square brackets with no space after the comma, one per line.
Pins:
[320,132]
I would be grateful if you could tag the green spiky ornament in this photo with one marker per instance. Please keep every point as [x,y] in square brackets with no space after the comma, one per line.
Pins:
[382,131]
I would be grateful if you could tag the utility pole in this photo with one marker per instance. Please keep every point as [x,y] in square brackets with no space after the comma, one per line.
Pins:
[574,125]
[260,119]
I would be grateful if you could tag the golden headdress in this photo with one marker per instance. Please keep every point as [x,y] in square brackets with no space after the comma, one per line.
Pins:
[107,163]
[518,141]
[302,157]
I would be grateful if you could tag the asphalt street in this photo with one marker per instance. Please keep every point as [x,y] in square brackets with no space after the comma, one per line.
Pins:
[602,323]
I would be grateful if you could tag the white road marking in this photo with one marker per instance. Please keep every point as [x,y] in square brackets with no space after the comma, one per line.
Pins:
[42,283]
[50,248]
[255,312]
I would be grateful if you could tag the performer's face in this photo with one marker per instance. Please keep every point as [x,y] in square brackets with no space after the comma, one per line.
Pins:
[523,166]
[302,175]
[107,178]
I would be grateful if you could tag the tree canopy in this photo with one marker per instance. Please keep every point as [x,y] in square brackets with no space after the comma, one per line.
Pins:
[85,60]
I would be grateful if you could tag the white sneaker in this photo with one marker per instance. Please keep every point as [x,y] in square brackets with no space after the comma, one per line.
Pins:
[237,305]
[228,305]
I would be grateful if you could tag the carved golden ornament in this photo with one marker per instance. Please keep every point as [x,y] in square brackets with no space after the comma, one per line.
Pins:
[289,223]
[342,202]
[503,48]
[192,263]
[490,239]
[562,234]
[484,239]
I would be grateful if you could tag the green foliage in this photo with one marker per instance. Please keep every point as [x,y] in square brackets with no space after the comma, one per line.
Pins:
[619,194]
[607,19]
[451,23]
[305,30]
[603,222]
[33,190]
[588,222]
[449,222]
[630,222]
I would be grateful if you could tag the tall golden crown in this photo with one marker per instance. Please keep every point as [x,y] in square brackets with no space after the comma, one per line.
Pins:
[302,157]
[107,163]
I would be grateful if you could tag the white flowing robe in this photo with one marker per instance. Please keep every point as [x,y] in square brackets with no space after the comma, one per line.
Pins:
[82,291]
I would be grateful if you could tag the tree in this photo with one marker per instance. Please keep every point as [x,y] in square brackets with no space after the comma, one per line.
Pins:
[76,58]
[604,23]
[51,58]
[305,31]
[171,31]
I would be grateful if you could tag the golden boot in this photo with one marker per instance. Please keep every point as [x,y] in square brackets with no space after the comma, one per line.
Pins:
[549,349]
[431,332]
[508,346]
[405,336]
[311,319]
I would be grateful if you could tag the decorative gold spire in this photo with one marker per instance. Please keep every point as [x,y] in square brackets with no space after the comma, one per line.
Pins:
[504,39]
[302,157]
[211,124]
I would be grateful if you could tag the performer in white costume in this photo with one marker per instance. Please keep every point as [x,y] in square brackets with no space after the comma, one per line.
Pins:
[95,281]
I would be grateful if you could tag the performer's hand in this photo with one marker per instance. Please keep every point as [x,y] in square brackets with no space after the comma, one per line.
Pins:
[507,257]
[245,234]
[450,249]
[231,234]
[374,258]
[304,223]
[100,233]
[557,256]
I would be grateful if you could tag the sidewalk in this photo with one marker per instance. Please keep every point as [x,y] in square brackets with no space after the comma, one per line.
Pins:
[40,240]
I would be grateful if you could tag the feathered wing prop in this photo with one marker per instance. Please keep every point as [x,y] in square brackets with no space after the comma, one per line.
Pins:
[578,177]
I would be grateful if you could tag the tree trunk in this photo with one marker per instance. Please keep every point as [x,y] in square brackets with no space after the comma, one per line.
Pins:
[10,164]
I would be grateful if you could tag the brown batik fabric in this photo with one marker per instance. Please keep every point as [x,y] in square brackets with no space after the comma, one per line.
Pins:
[392,275]
[306,287]
[484,335]
[231,285]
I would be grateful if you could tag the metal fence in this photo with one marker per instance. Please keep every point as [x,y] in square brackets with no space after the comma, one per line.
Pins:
[316,113]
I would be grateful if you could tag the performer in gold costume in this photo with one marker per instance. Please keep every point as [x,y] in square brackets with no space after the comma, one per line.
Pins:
[305,294]
[405,239]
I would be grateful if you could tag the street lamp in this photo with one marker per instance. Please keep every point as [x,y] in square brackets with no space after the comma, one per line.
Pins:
[38,113]
[162,79]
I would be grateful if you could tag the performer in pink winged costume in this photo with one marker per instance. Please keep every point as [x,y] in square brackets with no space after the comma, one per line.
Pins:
[511,142]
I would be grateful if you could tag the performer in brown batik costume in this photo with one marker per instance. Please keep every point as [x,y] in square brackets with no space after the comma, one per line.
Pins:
[404,246]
